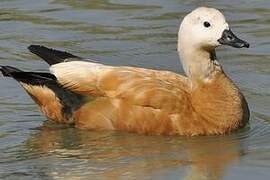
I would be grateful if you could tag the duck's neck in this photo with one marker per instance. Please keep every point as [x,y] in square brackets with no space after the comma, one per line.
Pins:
[215,97]
[199,64]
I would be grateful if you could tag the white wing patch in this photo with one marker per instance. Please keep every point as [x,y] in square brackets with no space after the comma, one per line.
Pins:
[83,68]
[80,76]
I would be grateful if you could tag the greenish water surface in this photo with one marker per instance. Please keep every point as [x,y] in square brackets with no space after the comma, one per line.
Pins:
[136,33]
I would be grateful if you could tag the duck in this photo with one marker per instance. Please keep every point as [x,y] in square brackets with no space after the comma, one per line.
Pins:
[93,96]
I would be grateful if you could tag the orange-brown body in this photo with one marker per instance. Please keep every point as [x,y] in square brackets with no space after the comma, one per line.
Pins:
[150,102]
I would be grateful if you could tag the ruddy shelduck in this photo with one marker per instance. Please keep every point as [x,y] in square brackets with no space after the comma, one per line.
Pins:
[95,96]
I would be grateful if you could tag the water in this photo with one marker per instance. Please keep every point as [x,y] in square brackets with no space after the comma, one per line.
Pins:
[137,33]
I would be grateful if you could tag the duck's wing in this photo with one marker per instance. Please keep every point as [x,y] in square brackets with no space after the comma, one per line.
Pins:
[138,86]
[153,101]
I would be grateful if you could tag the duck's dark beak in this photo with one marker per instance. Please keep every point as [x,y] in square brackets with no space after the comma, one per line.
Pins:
[228,38]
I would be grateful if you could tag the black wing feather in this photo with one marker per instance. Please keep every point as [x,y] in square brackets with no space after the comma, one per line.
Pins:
[33,78]
[51,56]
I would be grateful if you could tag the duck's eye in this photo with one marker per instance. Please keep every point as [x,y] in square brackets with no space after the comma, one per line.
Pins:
[206,24]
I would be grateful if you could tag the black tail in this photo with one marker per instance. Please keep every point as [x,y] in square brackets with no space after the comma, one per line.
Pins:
[32,78]
[8,70]
[51,56]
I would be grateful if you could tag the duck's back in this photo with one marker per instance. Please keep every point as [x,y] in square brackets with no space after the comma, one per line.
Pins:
[125,98]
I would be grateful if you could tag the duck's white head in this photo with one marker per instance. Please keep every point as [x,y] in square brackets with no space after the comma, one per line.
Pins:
[207,28]
[201,31]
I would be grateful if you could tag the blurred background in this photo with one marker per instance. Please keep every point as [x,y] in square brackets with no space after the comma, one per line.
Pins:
[137,33]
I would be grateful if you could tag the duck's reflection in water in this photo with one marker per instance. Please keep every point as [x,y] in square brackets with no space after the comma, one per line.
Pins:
[211,158]
[73,154]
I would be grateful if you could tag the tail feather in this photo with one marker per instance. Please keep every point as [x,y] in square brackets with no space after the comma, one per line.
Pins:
[32,78]
[8,70]
[51,56]
[56,102]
